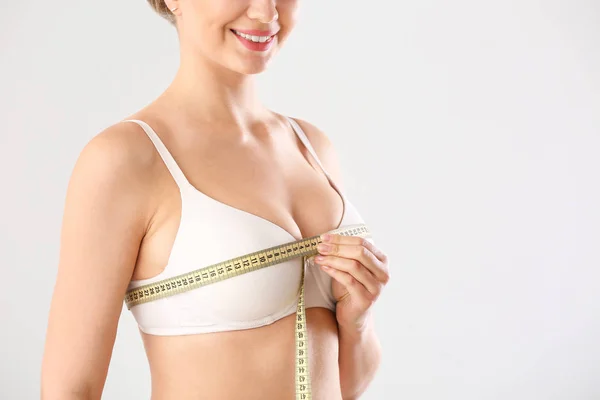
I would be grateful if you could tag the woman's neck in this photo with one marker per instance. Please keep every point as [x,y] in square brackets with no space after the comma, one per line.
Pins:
[203,90]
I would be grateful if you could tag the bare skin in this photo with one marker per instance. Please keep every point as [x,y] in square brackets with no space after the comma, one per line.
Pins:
[123,209]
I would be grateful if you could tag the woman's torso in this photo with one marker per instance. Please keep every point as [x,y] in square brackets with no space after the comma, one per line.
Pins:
[273,185]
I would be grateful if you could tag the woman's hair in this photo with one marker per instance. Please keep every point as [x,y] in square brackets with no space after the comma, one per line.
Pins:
[161,9]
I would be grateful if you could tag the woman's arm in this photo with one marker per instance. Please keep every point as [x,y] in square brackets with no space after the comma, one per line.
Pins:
[359,348]
[103,224]
[359,359]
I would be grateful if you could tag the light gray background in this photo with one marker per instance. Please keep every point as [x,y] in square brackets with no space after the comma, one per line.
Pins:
[469,136]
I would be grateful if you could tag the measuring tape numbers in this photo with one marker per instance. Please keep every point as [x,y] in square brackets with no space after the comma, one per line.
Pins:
[241,265]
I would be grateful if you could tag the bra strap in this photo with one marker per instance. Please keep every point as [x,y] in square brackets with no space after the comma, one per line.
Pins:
[166,156]
[307,144]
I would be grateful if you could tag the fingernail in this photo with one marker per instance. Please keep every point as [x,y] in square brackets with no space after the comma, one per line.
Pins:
[323,247]
[325,237]
[325,267]
[319,258]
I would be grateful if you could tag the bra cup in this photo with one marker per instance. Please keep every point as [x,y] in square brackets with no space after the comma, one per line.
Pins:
[317,287]
[251,296]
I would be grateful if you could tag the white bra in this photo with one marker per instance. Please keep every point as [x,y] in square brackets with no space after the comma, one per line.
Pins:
[246,301]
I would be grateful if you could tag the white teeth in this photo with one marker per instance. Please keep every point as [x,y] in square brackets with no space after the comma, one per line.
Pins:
[253,38]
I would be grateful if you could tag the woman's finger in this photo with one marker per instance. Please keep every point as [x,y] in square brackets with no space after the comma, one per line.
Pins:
[353,248]
[356,240]
[355,269]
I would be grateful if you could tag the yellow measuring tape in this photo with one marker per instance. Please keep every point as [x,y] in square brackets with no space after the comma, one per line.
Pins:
[247,263]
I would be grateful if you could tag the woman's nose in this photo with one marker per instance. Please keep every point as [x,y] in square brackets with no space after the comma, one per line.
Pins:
[264,11]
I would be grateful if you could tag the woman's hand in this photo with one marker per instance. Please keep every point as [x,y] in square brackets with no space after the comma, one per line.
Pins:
[359,271]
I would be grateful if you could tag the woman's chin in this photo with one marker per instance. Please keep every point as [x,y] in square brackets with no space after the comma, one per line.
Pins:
[252,67]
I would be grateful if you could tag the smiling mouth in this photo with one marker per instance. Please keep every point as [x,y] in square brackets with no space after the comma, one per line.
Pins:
[254,38]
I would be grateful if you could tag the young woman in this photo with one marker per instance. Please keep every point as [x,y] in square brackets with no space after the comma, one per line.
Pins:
[202,174]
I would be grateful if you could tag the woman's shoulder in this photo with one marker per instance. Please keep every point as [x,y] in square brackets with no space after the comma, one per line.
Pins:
[122,145]
[119,156]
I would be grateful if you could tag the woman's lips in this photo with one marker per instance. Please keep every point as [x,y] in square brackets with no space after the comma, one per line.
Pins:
[255,40]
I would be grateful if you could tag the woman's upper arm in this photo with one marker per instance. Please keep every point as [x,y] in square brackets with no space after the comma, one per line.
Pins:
[104,221]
